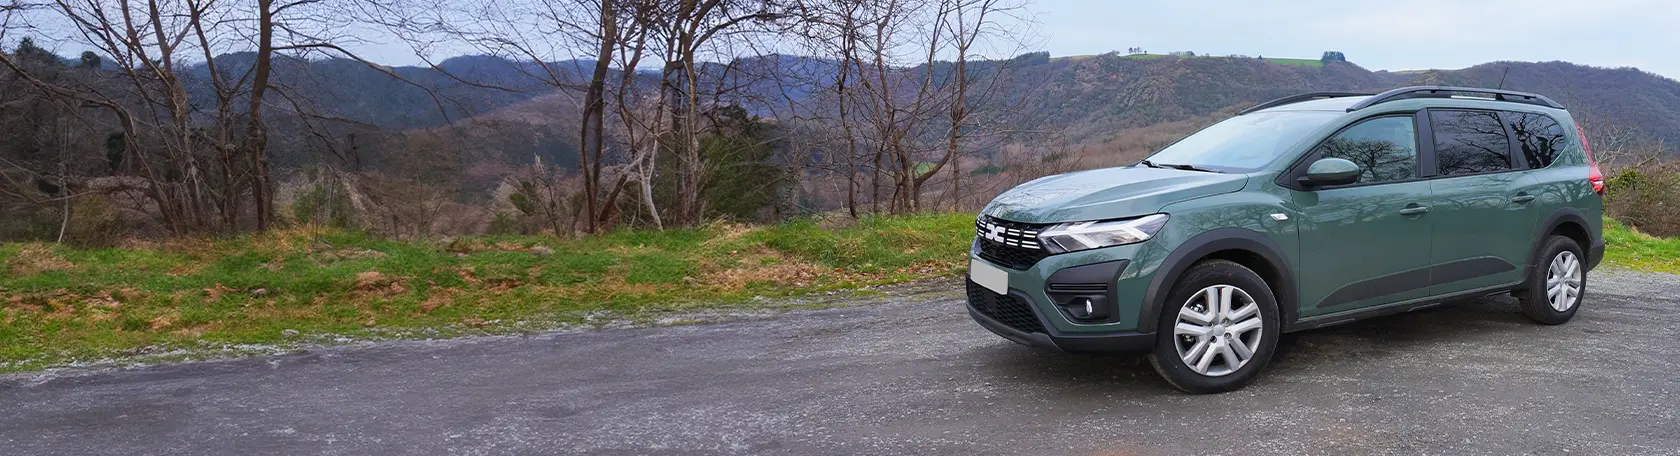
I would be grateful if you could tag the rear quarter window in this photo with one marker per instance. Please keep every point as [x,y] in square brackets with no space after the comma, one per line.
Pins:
[1540,138]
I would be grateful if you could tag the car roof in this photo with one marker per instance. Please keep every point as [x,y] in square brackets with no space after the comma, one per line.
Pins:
[1414,97]
[1323,104]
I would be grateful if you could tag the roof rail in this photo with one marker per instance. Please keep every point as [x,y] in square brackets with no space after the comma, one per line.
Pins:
[1447,91]
[1300,98]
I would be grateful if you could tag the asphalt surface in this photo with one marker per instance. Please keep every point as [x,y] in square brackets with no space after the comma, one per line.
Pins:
[907,374]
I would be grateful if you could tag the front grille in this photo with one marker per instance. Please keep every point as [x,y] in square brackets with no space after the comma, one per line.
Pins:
[1009,310]
[1012,245]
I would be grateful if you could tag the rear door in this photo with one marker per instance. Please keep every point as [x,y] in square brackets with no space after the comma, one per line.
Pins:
[1367,243]
[1484,201]
[1542,141]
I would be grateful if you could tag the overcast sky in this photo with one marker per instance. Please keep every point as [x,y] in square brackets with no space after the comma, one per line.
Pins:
[1375,34]
[1378,35]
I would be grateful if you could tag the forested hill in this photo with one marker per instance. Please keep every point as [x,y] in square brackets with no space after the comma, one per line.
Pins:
[1095,95]
[1088,98]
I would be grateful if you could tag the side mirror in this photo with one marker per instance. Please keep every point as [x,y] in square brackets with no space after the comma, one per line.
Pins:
[1331,171]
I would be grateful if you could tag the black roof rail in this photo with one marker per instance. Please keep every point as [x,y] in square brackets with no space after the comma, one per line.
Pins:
[1300,98]
[1447,91]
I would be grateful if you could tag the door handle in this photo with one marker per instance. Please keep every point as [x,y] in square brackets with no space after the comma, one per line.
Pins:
[1522,199]
[1414,210]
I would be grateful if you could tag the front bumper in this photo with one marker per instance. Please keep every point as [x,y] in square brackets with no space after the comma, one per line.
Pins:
[1128,342]
[1121,342]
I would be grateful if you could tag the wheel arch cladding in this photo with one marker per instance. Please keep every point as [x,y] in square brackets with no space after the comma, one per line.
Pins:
[1246,247]
[1567,222]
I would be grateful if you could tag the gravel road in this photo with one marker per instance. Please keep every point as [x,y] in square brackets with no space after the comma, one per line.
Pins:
[902,374]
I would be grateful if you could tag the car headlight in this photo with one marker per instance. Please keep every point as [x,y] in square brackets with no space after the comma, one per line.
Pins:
[1076,236]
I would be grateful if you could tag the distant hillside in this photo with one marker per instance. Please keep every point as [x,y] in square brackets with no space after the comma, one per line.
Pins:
[415,97]
[1624,96]
[1096,96]
[1092,99]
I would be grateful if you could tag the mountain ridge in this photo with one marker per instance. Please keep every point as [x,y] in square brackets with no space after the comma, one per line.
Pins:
[1090,99]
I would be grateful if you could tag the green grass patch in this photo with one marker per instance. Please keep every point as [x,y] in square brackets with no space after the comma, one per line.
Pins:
[1314,63]
[1628,248]
[61,304]
[1149,56]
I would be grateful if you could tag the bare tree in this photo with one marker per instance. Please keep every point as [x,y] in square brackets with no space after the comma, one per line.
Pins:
[916,112]
[687,29]
[642,126]
[201,160]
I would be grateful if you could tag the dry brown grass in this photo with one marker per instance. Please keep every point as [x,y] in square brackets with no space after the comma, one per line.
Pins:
[36,259]
[214,293]
[378,284]
[438,297]
[347,254]
[162,321]
[202,249]
[762,266]
[728,232]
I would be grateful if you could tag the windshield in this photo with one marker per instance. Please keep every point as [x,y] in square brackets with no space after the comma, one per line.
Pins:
[1243,143]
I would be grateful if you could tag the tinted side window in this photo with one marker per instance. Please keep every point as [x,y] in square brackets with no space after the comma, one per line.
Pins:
[1385,149]
[1539,137]
[1468,142]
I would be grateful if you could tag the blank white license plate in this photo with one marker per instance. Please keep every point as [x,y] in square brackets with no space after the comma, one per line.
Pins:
[989,276]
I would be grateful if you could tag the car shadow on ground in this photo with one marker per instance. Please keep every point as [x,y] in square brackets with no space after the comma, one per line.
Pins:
[1365,341]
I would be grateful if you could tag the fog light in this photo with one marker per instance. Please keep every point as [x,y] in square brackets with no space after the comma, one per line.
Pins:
[1085,308]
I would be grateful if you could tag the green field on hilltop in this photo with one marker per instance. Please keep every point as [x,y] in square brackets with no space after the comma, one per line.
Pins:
[1280,61]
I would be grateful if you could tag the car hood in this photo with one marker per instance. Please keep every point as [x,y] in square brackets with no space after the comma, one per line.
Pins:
[1107,194]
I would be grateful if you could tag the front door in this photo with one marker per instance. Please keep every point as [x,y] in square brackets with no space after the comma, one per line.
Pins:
[1366,243]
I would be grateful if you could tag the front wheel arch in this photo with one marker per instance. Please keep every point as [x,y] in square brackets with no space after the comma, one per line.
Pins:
[1246,247]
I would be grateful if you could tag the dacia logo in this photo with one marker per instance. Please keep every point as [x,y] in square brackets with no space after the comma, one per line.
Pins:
[994,232]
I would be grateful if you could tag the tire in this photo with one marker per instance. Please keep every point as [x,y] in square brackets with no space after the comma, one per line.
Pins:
[1187,302]
[1560,260]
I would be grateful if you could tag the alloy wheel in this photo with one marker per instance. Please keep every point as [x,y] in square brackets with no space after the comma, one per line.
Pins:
[1563,281]
[1218,330]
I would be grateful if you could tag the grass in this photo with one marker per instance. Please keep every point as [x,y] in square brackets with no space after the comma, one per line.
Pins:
[1315,63]
[1628,248]
[62,305]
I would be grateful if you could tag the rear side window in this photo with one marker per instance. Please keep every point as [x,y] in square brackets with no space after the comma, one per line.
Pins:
[1385,148]
[1539,137]
[1469,142]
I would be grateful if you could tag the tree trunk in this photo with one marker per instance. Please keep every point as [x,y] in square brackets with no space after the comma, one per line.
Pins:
[594,110]
[256,135]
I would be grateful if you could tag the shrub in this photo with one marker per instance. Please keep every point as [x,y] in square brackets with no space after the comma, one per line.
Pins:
[94,222]
[323,203]
[1646,198]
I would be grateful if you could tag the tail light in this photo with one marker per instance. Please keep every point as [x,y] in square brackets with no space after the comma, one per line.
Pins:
[1594,176]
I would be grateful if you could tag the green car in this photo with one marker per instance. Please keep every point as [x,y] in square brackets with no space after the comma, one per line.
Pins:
[1302,212]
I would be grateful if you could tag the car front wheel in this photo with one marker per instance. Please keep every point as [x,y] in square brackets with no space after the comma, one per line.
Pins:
[1219,329]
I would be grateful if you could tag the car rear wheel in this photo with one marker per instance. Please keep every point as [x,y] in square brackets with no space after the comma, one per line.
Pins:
[1556,283]
[1218,331]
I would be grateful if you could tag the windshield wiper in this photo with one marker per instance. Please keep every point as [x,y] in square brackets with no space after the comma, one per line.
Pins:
[1176,166]
[1149,164]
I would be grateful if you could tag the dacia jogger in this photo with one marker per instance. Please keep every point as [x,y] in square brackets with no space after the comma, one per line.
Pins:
[1301,212]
